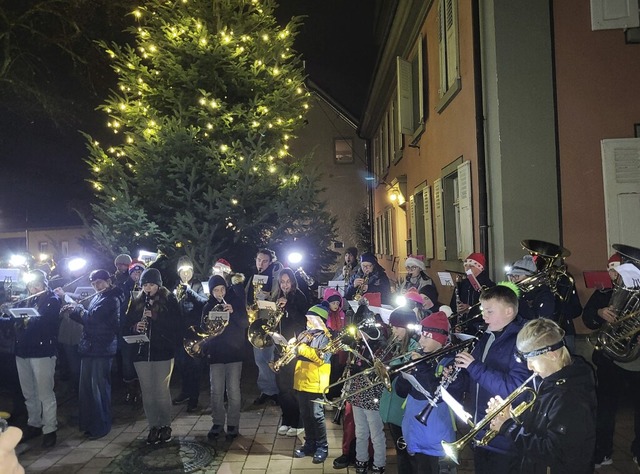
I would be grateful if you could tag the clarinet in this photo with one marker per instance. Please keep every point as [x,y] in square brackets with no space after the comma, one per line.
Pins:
[145,319]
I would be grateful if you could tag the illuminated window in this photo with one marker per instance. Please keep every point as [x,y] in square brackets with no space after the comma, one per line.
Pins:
[343,150]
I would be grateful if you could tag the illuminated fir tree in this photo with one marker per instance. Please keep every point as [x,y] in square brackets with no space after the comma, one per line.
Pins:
[206,102]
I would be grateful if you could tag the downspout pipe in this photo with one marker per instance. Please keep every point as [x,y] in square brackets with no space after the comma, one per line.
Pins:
[483,220]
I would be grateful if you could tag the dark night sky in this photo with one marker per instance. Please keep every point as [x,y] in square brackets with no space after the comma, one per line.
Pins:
[42,172]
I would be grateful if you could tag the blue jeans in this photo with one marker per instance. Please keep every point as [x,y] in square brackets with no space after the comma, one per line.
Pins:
[312,416]
[94,395]
[221,376]
[266,377]
[369,424]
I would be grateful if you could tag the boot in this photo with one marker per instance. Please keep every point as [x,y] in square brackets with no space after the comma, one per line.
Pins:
[361,467]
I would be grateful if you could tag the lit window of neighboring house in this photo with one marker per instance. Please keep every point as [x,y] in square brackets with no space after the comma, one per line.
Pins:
[448,52]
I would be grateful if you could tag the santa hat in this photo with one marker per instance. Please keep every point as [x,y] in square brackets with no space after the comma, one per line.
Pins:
[614,261]
[415,261]
[476,260]
[221,266]
[436,326]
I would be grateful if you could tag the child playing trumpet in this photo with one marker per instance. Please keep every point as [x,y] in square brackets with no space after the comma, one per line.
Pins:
[557,434]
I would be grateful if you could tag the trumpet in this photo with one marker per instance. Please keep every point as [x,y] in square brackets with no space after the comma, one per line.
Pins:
[360,290]
[291,351]
[452,450]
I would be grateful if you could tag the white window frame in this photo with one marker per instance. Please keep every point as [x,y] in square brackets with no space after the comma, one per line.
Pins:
[410,93]
[448,52]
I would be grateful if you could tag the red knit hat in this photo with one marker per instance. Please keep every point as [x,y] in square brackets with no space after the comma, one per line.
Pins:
[476,260]
[436,326]
[222,266]
[614,261]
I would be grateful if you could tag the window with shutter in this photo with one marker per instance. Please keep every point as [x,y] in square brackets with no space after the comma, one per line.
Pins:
[428,222]
[448,52]
[439,214]
[410,92]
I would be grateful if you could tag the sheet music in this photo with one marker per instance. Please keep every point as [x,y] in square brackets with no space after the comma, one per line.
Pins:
[414,382]
[446,279]
[135,338]
[473,280]
[455,406]
[630,275]
[264,279]
[263,304]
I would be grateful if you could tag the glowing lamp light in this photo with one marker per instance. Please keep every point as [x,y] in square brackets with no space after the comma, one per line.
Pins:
[76,264]
[29,277]
[401,301]
[43,257]
[17,260]
[294,257]
[507,268]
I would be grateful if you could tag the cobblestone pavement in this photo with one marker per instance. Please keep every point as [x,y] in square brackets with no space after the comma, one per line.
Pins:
[257,450]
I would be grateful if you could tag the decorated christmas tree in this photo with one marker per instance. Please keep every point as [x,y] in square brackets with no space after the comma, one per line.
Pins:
[206,103]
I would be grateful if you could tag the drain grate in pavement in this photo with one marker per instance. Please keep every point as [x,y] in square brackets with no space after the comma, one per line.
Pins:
[177,456]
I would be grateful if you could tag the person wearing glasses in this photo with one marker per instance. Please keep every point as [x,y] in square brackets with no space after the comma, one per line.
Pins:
[558,433]
[370,278]
[416,274]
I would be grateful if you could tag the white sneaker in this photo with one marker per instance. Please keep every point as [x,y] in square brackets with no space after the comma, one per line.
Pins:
[284,430]
[605,461]
[635,461]
[291,432]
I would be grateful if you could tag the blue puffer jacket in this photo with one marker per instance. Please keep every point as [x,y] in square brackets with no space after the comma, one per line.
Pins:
[38,336]
[100,324]
[499,374]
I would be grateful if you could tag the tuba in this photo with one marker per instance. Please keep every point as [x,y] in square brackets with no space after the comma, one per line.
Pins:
[549,273]
[211,327]
[619,340]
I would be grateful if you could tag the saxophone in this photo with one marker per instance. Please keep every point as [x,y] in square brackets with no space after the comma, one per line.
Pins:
[290,351]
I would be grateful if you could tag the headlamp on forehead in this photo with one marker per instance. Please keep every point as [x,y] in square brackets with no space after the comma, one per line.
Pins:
[523,356]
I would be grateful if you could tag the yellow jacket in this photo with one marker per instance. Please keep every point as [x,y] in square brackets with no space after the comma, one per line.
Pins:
[311,372]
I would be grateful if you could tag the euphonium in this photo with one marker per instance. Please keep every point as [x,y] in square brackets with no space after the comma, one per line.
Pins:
[451,450]
[360,290]
[259,333]
[211,328]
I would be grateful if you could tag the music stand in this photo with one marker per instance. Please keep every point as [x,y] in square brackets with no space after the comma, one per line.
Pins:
[24,313]
[9,274]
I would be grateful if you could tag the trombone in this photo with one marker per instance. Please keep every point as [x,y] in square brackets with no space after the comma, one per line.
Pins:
[451,450]
[384,372]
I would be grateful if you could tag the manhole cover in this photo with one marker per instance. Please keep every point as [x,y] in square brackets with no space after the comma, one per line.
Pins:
[177,456]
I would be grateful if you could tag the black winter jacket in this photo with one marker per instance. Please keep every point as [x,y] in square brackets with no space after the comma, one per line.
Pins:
[228,346]
[558,433]
[164,327]
[100,324]
[38,336]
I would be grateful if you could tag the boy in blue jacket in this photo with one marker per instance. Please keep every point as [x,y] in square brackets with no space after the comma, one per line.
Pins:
[493,370]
